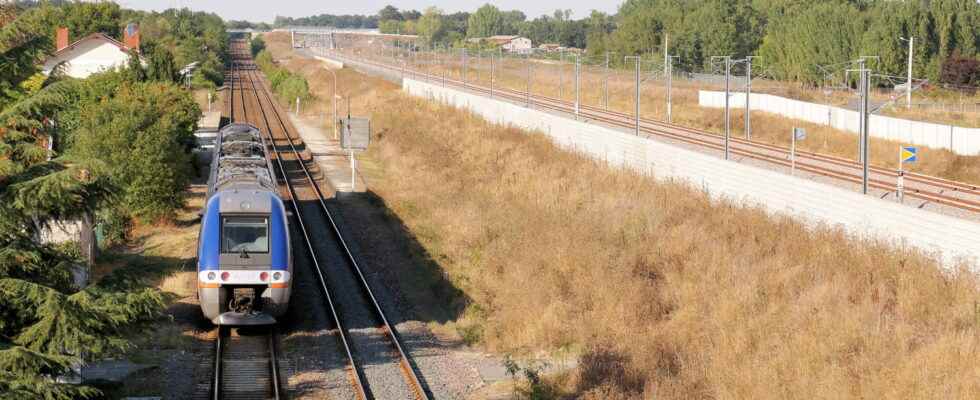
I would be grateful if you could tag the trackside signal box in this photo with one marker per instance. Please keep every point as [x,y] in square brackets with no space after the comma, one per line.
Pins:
[355,133]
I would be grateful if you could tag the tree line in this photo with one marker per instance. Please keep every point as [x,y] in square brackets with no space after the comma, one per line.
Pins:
[111,149]
[337,21]
[794,40]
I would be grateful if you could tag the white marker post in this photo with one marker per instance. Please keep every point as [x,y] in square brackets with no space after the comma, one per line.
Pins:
[798,134]
[906,154]
[209,101]
[355,137]
[335,119]
[900,187]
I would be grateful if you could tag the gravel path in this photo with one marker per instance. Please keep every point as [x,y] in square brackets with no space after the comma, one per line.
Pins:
[450,369]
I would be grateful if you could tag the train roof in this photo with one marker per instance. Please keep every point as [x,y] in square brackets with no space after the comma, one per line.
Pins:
[240,160]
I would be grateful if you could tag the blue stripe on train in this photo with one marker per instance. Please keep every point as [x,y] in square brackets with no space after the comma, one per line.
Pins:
[209,246]
[278,238]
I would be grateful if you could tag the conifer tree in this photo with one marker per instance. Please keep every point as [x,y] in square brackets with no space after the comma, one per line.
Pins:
[47,323]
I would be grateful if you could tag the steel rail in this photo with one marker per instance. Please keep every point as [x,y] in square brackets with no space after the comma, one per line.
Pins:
[354,371]
[415,383]
[218,378]
[615,118]
[218,374]
[216,382]
[933,196]
[836,160]
[274,365]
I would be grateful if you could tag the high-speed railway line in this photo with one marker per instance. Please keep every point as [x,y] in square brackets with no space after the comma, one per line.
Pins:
[374,359]
[924,188]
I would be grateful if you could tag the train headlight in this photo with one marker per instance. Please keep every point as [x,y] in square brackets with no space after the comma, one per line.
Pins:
[225,275]
[277,276]
[211,276]
[264,276]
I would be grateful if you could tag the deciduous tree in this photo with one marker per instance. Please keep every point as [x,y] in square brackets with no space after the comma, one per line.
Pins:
[486,21]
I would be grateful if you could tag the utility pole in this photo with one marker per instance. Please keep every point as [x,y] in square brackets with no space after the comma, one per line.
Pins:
[636,101]
[728,74]
[491,74]
[728,128]
[864,143]
[865,136]
[605,85]
[908,82]
[527,86]
[577,66]
[748,96]
[669,67]
[462,72]
[561,76]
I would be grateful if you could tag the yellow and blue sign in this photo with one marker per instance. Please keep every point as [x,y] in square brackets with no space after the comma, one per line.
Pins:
[910,154]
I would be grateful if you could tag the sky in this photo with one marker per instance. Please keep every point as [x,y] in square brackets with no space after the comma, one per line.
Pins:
[258,10]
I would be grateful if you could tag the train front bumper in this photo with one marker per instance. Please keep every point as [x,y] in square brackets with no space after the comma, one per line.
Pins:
[216,291]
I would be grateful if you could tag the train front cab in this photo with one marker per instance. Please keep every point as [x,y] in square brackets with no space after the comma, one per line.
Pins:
[244,259]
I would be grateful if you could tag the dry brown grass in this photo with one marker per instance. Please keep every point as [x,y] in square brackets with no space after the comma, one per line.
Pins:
[767,128]
[664,292]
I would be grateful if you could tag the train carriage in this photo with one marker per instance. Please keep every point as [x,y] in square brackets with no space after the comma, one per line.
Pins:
[244,257]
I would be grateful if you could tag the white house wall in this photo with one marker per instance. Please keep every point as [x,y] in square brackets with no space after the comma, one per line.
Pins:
[815,203]
[89,57]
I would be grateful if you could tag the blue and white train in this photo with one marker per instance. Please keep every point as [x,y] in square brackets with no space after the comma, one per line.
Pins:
[245,263]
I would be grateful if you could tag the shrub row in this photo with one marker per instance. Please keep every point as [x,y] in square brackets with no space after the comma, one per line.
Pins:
[286,84]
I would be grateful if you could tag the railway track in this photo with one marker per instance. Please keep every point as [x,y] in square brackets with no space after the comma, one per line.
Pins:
[927,189]
[246,365]
[253,103]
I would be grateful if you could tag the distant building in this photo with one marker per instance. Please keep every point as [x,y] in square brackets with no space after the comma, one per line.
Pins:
[511,43]
[550,47]
[93,53]
[555,47]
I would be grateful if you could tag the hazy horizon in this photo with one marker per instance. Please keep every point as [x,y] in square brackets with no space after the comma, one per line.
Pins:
[256,11]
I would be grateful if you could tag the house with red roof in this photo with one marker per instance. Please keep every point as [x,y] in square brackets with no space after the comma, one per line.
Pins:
[93,53]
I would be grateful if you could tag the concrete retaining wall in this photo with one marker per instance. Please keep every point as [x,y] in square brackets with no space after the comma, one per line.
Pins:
[950,238]
[330,62]
[959,140]
[386,73]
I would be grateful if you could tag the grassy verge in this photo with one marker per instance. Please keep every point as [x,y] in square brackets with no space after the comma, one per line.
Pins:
[662,292]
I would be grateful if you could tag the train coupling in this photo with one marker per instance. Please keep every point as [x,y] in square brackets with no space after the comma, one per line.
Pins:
[244,319]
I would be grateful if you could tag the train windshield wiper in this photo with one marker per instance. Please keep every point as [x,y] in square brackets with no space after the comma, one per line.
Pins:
[244,253]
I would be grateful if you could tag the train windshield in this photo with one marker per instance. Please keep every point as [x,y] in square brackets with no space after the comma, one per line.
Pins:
[245,234]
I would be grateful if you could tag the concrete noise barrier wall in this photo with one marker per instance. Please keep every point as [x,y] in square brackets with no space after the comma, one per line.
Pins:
[959,140]
[952,240]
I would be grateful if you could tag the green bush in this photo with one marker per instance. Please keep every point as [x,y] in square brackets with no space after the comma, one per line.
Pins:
[144,133]
[257,45]
[286,84]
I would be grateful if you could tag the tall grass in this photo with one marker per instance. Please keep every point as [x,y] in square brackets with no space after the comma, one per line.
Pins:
[663,292]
